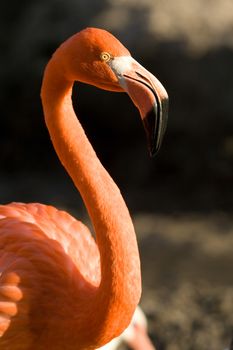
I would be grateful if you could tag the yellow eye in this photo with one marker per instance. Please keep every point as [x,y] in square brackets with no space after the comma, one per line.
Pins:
[105,56]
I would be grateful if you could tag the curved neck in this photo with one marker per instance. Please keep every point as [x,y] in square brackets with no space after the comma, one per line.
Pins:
[114,301]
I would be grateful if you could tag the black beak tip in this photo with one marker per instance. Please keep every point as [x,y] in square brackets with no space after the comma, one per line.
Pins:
[153,134]
[155,124]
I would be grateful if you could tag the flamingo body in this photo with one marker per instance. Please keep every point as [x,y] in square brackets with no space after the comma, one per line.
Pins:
[59,288]
[42,252]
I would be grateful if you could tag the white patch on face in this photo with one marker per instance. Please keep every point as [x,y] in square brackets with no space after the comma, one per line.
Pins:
[120,65]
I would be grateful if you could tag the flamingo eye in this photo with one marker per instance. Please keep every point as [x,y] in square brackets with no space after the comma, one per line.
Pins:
[105,56]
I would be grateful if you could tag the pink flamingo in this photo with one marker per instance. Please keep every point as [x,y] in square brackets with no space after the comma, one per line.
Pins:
[59,288]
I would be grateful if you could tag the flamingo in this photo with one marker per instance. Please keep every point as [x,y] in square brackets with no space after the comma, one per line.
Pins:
[60,288]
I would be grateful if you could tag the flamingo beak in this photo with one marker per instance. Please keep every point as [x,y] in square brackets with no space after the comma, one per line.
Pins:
[148,95]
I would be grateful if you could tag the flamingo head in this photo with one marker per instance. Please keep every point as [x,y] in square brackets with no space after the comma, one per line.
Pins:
[96,57]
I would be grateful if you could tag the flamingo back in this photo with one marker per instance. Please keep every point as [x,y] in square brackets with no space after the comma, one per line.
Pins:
[46,257]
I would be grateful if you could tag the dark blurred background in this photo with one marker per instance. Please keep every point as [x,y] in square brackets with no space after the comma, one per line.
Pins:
[181,201]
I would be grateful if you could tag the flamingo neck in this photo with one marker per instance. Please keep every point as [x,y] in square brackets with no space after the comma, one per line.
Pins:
[112,304]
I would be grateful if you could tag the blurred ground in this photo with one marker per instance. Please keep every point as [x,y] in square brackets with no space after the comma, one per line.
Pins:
[182,201]
[188,283]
